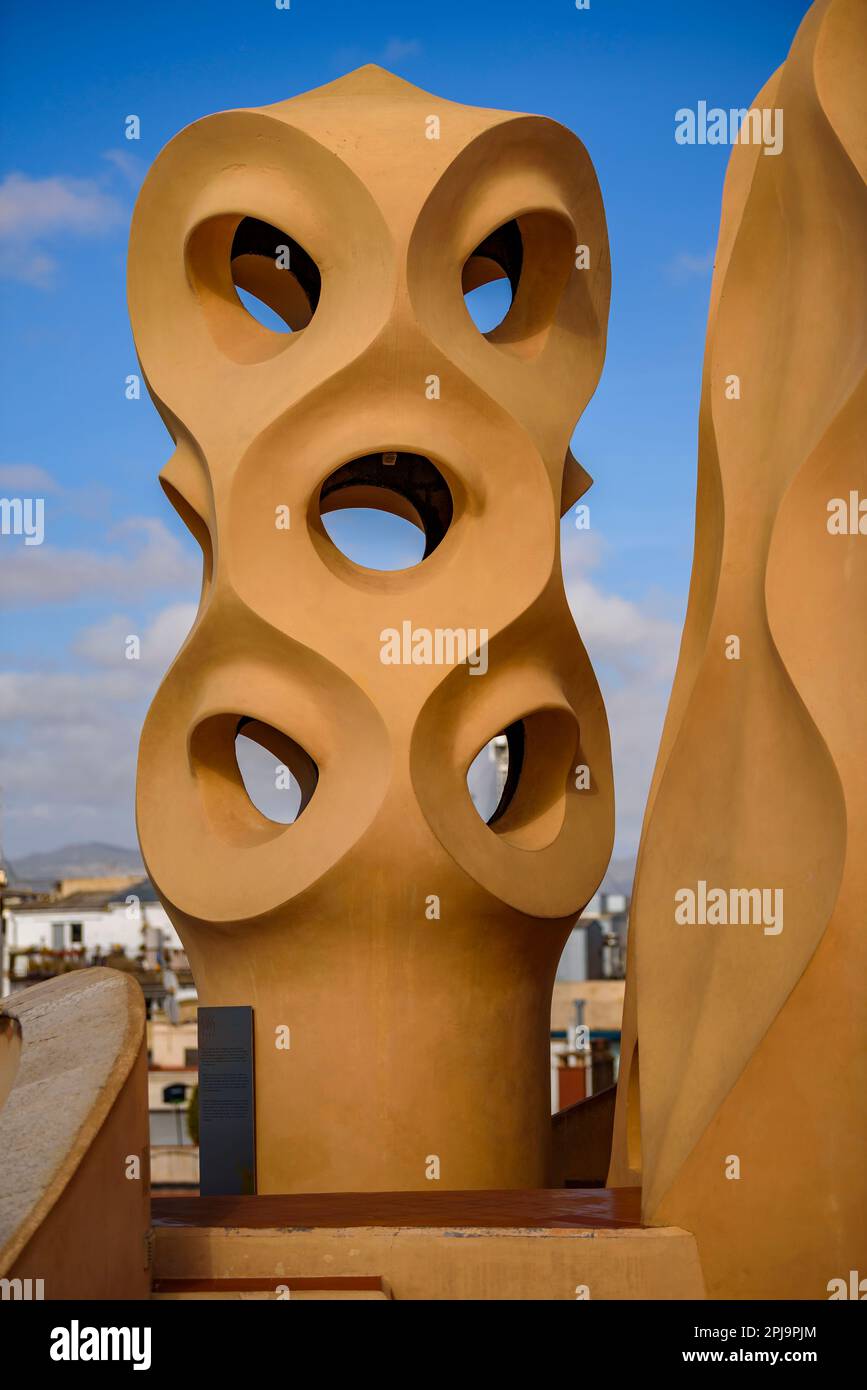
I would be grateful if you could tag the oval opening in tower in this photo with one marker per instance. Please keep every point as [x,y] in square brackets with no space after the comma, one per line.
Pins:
[278,775]
[386,511]
[253,778]
[532,759]
[490,276]
[493,774]
[275,787]
[277,281]
[527,262]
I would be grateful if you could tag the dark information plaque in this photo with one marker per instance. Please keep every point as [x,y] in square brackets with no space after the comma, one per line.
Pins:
[227,1104]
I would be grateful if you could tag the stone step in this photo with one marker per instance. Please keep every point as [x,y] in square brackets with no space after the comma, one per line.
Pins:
[293,1289]
[550,1244]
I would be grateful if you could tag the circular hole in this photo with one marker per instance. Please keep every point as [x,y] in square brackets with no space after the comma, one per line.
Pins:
[278,775]
[489,304]
[260,311]
[490,276]
[514,281]
[255,284]
[273,790]
[395,507]
[532,759]
[492,776]
[486,776]
[253,778]
[375,539]
[277,281]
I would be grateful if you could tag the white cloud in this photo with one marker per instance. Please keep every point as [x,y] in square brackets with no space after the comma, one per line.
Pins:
[66,697]
[25,480]
[69,758]
[688,266]
[33,211]
[104,643]
[140,556]
[27,266]
[398,50]
[625,635]
[634,652]
[128,165]
[31,207]
[70,738]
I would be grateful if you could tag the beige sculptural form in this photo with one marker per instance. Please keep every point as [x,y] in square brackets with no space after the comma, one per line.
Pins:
[745,1120]
[402,947]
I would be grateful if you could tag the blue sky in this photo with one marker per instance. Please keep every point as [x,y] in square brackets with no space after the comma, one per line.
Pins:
[115,558]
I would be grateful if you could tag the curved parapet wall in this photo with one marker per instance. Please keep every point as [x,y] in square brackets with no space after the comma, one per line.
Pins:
[74,1181]
[10,1053]
[748,951]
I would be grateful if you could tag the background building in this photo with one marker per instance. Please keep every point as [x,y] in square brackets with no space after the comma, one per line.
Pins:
[49,928]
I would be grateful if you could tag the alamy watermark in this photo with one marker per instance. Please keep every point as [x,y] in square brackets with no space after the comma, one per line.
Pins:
[441,646]
[737,126]
[77,1343]
[23,516]
[27,1290]
[847,516]
[853,1287]
[721,907]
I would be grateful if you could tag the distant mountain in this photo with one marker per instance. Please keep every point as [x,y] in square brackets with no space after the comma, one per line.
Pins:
[92,860]
[619,877]
[96,860]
